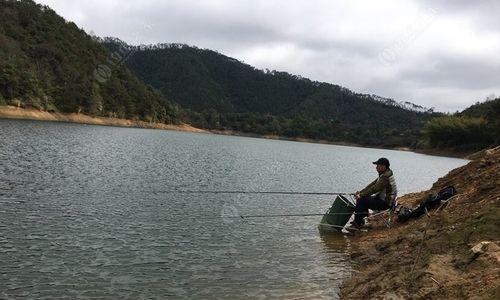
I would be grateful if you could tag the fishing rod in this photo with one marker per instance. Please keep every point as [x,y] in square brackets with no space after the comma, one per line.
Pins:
[271,192]
[301,215]
[276,216]
[254,192]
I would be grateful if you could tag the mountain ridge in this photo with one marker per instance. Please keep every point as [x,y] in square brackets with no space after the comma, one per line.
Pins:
[406,105]
[222,93]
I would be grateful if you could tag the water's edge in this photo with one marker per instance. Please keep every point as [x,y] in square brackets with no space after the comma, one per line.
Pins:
[18,113]
[12,112]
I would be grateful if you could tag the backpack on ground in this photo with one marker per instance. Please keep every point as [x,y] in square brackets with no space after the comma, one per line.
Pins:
[430,202]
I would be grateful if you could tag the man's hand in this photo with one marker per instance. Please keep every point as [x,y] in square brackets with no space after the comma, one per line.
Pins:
[357,195]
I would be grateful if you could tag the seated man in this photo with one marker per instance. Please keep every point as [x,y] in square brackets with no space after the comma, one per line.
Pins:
[378,195]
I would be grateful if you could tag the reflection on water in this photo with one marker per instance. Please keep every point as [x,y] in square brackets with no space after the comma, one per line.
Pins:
[335,242]
[85,212]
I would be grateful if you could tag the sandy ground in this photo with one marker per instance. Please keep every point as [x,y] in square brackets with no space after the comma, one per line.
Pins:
[436,256]
[12,112]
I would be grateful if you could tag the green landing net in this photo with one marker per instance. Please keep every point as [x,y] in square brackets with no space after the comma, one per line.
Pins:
[338,214]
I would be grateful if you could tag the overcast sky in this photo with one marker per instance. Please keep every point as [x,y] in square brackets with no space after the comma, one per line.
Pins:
[442,54]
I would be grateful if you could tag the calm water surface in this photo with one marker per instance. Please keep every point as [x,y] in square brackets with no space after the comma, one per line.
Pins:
[85,212]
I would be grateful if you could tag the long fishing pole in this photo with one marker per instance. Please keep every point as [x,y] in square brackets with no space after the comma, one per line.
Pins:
[302,215]
[272,192]
[254,192]
[277,216]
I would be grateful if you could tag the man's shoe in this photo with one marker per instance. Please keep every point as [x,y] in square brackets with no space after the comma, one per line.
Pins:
[353,227]
[366,225]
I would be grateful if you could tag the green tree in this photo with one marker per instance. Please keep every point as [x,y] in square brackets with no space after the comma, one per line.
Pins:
[458,131]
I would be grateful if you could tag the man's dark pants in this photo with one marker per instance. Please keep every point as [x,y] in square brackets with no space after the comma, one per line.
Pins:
[365,203]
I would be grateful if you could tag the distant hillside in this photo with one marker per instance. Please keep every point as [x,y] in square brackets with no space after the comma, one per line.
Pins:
[225,93]
[49,63]
[475,128]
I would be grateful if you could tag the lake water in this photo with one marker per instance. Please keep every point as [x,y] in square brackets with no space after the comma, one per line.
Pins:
[87,212]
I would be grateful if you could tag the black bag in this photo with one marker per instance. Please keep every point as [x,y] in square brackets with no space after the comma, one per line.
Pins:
[447,193]
[404,214]
[432,201]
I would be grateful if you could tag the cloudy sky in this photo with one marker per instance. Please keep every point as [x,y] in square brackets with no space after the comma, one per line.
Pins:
[442,54]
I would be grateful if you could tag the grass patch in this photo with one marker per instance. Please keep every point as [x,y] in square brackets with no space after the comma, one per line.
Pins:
[484,226]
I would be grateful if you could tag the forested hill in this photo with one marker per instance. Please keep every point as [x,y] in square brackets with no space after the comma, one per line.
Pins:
[230,94]
[49,63]
[489,109]
[475,128]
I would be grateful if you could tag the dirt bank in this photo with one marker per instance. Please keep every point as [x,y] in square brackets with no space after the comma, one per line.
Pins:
[452,254]
[12,112]
[445,152]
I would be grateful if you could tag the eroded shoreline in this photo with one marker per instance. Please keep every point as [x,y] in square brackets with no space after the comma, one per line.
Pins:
[12,112]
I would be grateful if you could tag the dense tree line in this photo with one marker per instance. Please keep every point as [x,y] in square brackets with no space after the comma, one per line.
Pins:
[302,126]
[475,128]
[49,63]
